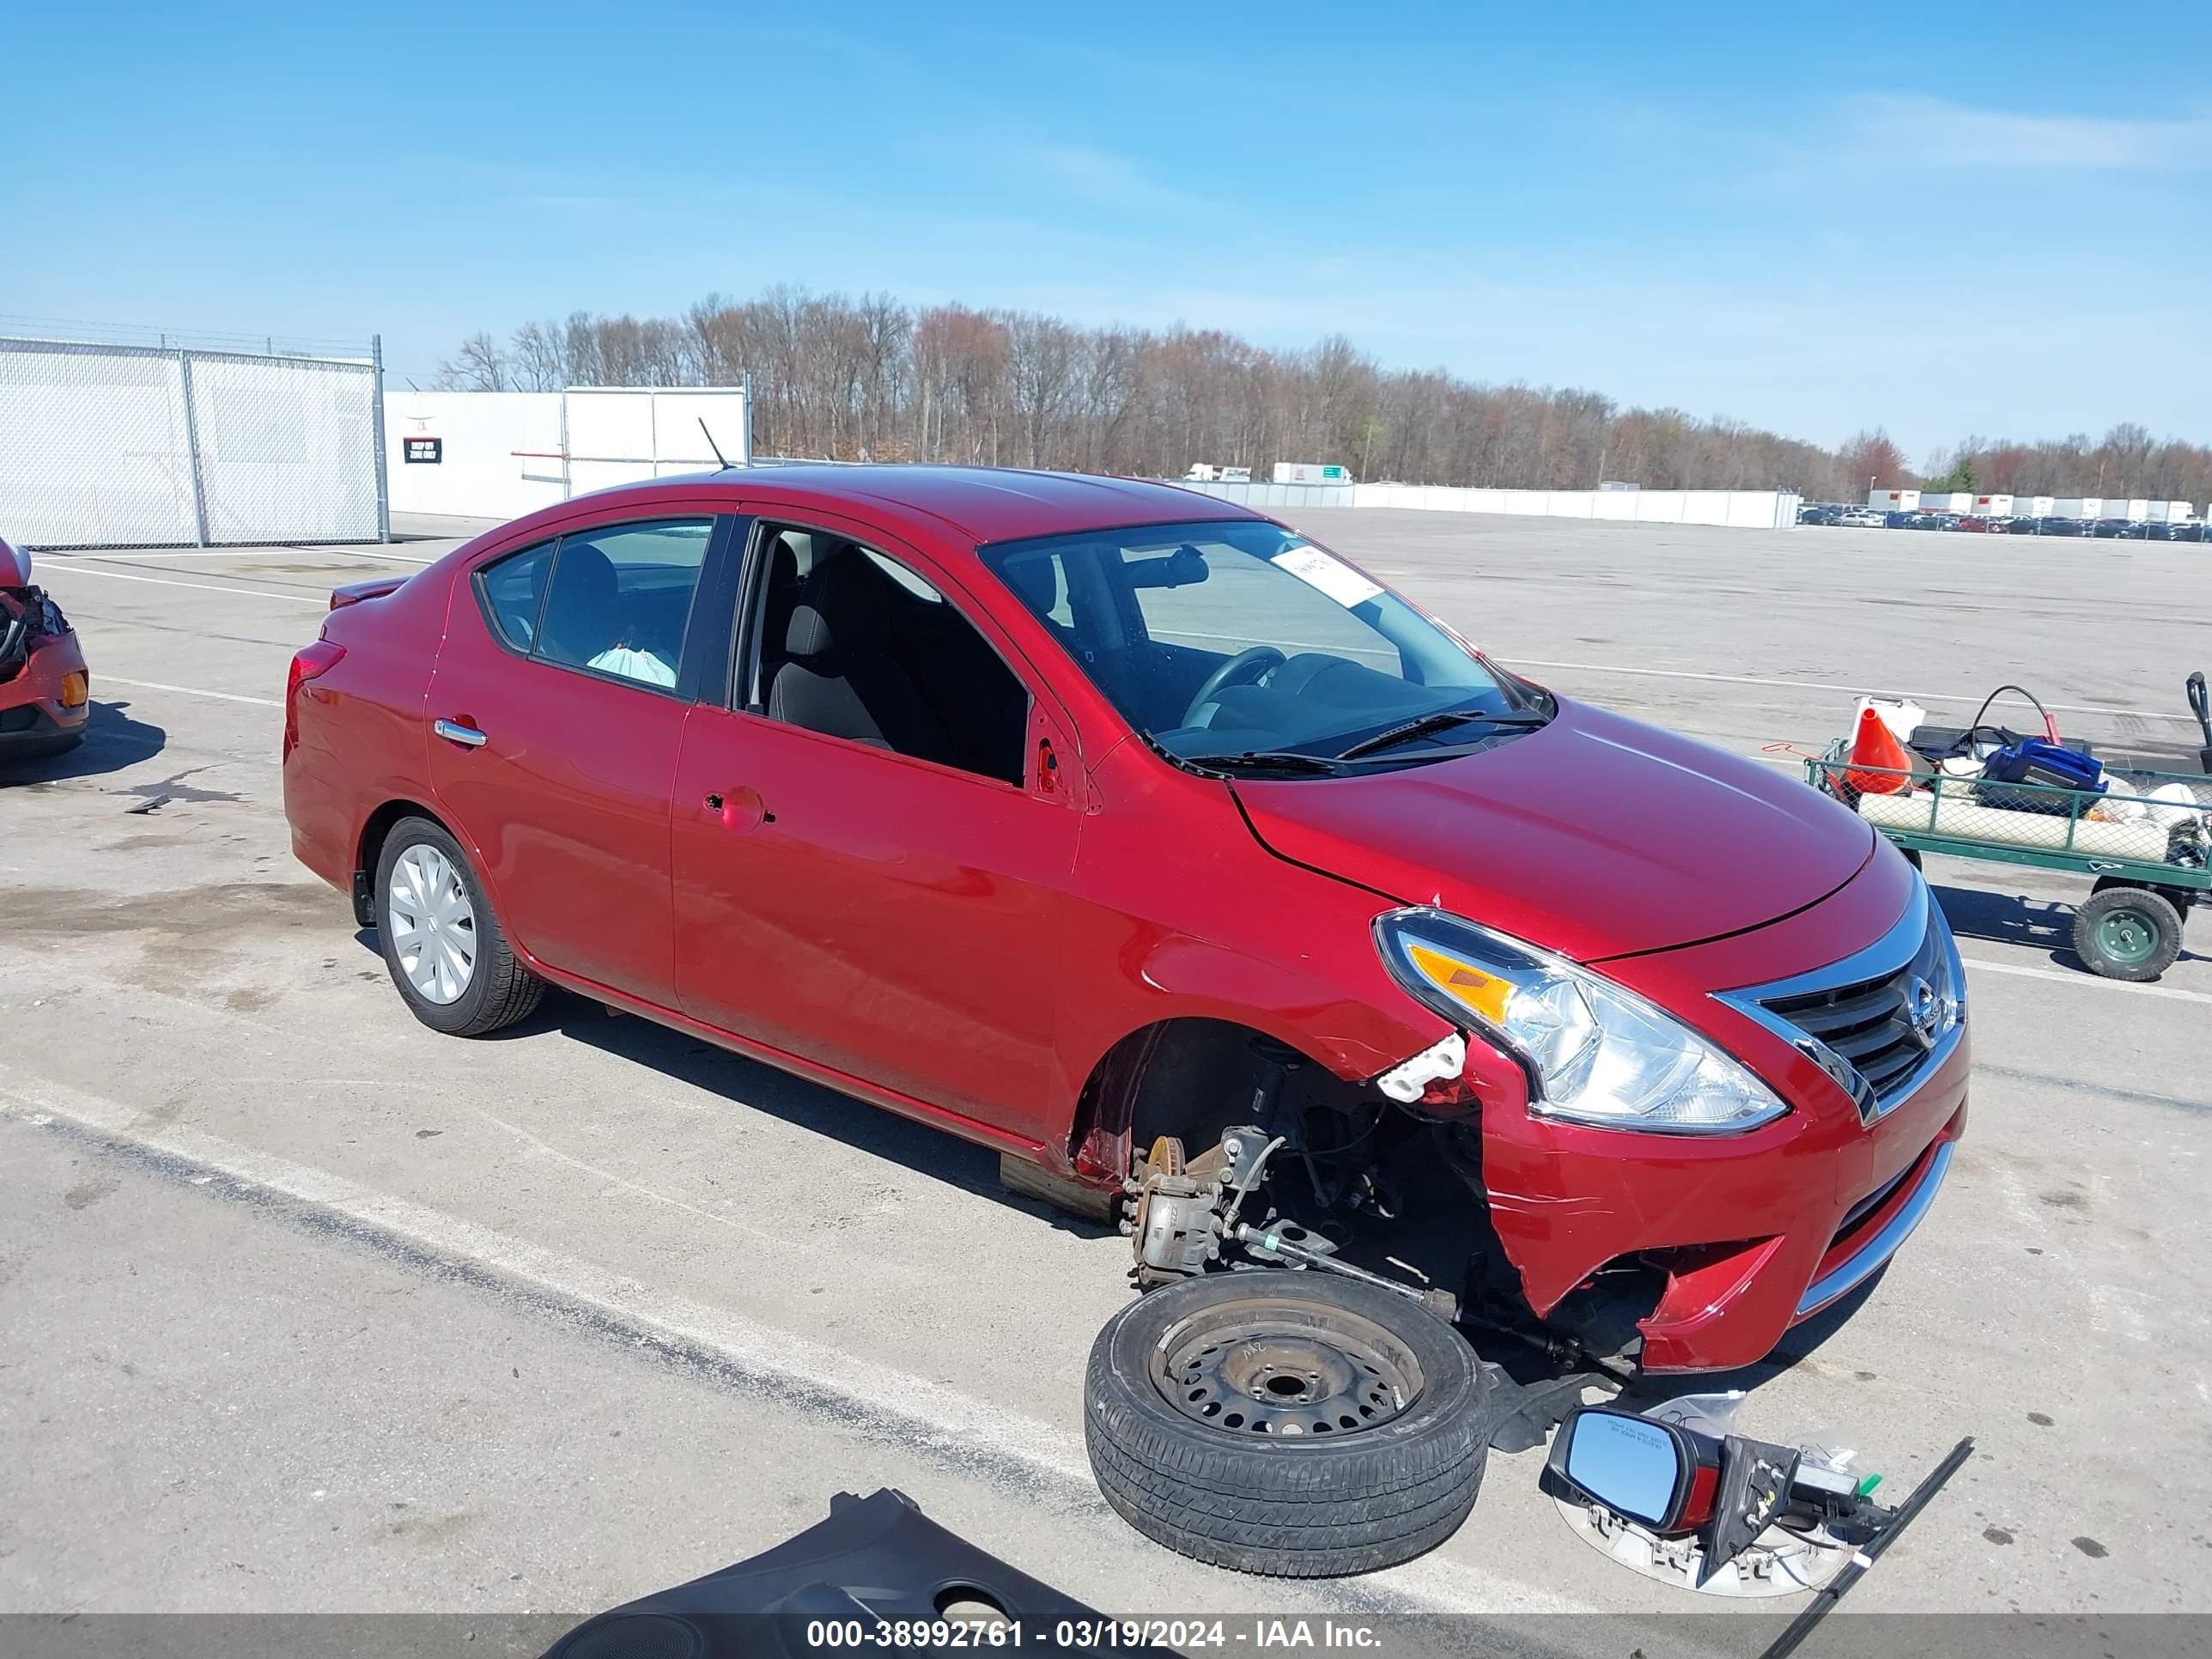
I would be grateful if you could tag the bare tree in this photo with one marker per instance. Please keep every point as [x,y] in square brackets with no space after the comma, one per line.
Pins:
[869,379]
[477,367]
[538,358]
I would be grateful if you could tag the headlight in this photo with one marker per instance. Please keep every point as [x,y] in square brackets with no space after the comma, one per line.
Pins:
[1949,980]
[1599,1052]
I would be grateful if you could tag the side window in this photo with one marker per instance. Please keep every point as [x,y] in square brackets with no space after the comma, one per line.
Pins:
[620,596]
[871,651]
[514,588]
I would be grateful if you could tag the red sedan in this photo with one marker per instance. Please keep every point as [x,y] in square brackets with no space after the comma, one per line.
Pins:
[1065,813]
[46,695]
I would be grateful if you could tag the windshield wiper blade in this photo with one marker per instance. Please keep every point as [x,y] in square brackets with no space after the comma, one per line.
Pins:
[1440,720]
[1266,759]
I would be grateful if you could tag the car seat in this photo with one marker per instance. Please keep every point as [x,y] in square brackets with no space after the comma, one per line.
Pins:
[840,677]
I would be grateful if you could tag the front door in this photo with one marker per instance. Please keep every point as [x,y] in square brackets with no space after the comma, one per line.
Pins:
[557,718]
[889,917]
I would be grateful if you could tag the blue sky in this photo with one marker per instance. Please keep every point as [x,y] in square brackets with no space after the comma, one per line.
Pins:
[1973,217]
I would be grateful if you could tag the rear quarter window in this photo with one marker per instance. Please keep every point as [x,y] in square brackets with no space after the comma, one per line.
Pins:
[513,590]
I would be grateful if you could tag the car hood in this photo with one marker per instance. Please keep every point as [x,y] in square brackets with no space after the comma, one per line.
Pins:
[1594,836]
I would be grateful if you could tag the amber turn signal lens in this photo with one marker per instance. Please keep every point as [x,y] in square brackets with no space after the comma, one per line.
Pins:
[76,689]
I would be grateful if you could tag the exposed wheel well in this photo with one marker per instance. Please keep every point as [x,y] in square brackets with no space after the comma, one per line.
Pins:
[1190,1077]
[372,848]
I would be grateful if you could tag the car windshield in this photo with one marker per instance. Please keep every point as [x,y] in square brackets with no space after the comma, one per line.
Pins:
[1241,640]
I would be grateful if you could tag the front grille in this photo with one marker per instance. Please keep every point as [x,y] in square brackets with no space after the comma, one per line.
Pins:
[1869,1021]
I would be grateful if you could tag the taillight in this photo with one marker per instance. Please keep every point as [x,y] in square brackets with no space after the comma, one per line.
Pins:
[309,662]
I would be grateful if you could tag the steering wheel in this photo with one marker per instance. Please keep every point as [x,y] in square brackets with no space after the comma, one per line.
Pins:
[1250,664]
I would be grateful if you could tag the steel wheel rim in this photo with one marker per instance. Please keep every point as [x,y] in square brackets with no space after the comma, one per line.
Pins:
[433,923]
[2126,936]
[1280,1366]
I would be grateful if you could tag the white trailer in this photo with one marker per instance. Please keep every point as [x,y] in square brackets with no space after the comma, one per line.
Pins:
[1995,506]
[1893,501]
[1310,472]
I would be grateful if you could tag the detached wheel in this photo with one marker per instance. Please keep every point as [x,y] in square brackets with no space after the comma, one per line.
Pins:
[441,943]
[2127,933]
[1286,1423]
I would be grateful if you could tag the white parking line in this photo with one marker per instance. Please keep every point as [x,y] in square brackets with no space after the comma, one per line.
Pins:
[165,581]
[932,1414]
[2061,976]
[1824,685]
[185,691]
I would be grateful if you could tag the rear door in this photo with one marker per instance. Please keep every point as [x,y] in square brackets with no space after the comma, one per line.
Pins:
[557,709]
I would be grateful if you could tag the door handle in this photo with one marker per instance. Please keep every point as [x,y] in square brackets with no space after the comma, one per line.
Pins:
[740,809]
[454,732]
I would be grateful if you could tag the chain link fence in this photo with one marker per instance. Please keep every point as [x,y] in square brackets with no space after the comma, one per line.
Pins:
[111,444]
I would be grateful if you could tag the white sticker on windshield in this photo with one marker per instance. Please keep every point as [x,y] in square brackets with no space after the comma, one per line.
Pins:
[1332,576]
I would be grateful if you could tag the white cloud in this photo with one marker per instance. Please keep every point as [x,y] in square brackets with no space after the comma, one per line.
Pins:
[1109,180]
[1934,132]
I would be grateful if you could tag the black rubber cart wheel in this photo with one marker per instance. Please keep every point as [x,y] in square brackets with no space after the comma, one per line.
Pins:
[2127,933]
[1288,1423]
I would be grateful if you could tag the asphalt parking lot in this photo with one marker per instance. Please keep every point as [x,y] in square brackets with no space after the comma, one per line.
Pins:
[304,1308]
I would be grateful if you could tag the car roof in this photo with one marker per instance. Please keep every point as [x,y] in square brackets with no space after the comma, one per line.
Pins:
[983,504]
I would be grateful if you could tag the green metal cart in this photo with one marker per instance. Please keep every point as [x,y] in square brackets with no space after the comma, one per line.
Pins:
[2149,858]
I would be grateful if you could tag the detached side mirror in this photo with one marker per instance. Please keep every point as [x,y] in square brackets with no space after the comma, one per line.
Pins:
[1652,1472]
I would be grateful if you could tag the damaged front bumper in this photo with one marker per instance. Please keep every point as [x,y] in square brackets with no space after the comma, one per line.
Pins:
[1702,1252]
[45,689]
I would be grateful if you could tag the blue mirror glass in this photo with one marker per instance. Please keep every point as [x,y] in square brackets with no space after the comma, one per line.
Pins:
[1626,1463]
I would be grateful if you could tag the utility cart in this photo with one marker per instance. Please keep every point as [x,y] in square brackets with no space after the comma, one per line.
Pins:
[2143,840]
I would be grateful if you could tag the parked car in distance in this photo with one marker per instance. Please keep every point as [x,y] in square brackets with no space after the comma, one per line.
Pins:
[1064,813]
[1818,512]
[46,692]
[2182,530]
[1864,517]
[1973,521]
[1899,517]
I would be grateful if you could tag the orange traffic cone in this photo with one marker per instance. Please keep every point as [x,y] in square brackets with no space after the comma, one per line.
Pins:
[1876,746]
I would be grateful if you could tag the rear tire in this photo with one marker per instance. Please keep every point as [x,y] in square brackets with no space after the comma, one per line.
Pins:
[2128,933]
[1326,1501]
[496,989]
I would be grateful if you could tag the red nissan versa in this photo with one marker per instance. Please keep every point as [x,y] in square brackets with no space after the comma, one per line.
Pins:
[45,696]
[1064,813]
